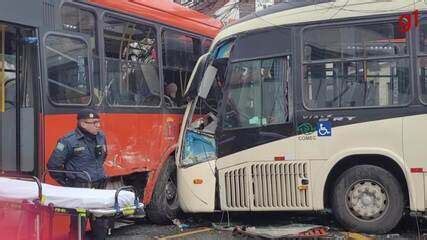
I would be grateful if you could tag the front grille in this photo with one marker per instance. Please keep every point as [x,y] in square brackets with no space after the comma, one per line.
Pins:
[276,185]
[236,187]
[266,186]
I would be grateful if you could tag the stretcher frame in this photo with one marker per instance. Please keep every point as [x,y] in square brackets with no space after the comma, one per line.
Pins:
[81,213]
[33,205]
[115,212]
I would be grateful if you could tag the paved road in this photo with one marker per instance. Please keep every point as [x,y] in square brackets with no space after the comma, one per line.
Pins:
[200,226]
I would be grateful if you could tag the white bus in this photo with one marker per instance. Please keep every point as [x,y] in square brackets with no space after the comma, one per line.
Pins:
[309,107]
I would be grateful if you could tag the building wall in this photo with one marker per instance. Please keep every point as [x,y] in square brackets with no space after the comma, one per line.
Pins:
[246,7]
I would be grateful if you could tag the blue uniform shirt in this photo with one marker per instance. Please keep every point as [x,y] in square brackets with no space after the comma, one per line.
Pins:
[78,152]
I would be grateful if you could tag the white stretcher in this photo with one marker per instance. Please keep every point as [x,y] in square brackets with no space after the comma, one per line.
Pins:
[65,197]
[83,202]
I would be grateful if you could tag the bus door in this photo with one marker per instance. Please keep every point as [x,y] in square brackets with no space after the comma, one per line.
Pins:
[18,76]
[255,127]
[254,137]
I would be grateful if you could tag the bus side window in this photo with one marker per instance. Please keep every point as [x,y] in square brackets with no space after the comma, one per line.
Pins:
[82,21]
[75,19]
[422,59]
[356,66]
[180,54]
[274,92]
[256,94]
[67,70]
[206,45]
[131,62]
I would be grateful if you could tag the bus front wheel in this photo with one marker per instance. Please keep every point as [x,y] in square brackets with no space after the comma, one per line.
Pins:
[368,199]
[164,205]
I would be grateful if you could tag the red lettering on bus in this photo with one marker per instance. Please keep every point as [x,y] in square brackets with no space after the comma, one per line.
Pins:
[405,21]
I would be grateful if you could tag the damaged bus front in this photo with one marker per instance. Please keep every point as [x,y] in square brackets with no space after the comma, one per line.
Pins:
[196,154]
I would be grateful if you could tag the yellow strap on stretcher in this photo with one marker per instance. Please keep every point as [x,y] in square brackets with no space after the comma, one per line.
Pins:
[128,210]
[81,212]
[43,200]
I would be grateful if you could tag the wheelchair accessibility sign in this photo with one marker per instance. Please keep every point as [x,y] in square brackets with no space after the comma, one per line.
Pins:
[324,129]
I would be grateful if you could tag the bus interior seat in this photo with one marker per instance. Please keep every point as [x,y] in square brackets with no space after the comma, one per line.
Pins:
[113,77]
[354,96]
[150,75]
[372,93]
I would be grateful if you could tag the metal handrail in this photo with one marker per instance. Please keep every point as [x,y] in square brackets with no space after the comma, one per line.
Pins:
[27,178]
[116,197]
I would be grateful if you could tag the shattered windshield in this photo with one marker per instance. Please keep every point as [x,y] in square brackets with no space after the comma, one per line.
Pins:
[199,137]
[199,141]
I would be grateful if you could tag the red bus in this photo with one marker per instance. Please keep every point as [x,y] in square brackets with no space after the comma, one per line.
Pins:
[117,56]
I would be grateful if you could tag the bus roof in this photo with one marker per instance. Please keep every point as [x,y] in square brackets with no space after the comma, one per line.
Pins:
[295,13]
[166,12]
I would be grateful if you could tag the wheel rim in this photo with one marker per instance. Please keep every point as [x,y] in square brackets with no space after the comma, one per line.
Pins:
[367,200]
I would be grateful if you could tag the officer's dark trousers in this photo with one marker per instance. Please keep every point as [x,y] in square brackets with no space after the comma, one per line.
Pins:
[99,226]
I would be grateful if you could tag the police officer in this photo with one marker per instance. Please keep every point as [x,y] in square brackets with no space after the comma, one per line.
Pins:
[83,149]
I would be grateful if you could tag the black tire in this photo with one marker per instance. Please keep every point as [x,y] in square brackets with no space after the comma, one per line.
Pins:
[354,195]
[164,205]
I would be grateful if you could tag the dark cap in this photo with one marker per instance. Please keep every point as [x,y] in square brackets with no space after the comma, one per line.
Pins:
[87,113]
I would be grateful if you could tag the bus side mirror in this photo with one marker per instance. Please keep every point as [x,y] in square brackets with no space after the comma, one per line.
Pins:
[207,81]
